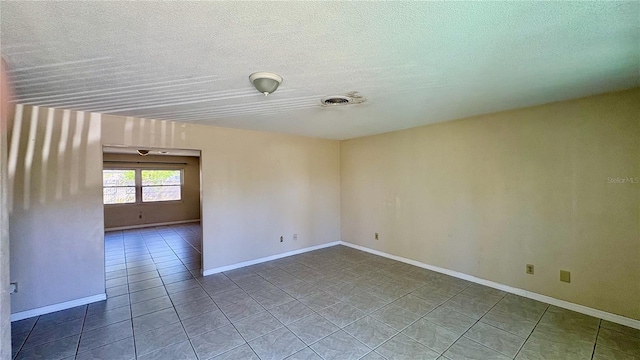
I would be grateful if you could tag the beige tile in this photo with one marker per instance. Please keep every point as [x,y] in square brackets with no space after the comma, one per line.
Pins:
[415,304]
[357,291]
[216,342]
[182,351]
[370,332]
[431,335]
[395,316]
[537,347]
[509,322]
[404,348]
[341,314]
[290,312]
[522,307]
[605,353]
[496,339]
[484,292]
[277,345]
[312,328]
[304,354]
[615,340]
[257,325]
[340,346]
[468,305]
[566,332]
[620,328]
[465,349]
[450,320]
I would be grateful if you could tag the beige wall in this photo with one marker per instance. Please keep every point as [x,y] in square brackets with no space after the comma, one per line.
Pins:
[157,212]
[55,202]
[483,196]
[486,195]
[256,186]
[5,306]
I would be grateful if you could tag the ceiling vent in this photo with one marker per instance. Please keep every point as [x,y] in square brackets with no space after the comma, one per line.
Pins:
[337,100]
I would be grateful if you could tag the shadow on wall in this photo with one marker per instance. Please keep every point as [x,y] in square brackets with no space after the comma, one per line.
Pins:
[55,206]
[49,156]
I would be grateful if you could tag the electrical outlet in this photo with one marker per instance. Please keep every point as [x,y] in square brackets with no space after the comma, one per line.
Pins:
[565,276]
[295,237]
[529,269]
[13,288]
[377,236]
[281,238]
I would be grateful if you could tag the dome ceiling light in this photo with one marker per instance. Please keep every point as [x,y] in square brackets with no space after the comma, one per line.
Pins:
[265,82]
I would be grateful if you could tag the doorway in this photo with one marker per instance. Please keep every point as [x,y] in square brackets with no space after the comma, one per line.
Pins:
[153,233]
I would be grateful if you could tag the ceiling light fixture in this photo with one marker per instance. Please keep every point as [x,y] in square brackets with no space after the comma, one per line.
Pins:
[143,152]
[265,82]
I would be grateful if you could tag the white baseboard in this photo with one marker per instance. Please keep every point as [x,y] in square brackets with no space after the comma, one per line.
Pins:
[141,226]
[57,307]
[268,258]
[528,294]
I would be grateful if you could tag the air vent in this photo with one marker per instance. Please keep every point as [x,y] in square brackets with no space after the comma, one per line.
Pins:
[336,100]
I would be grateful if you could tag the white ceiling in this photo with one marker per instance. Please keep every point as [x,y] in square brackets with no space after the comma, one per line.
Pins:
[416,63]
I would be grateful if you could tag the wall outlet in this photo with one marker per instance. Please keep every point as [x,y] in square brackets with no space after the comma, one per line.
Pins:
[565,276]
[281,238]
[376,236]
[295,237]
[13,288]
[529,269]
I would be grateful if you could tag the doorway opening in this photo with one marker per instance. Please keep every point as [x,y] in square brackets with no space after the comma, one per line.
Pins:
[152,219]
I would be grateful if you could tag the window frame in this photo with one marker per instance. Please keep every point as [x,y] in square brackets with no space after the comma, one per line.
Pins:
[181,185]
[138,185]
[135,195]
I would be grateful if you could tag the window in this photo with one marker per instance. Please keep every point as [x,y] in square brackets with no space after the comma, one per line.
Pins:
[119,186]
[161,185]
[135,186]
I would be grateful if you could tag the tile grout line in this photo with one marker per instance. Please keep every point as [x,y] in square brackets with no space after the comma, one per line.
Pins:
[168,295]
[477,321]
[131,304]
[27,338]
[595,343]
[434,309]
[270,276]
[174,305]
[84,320]
[225,315]
[285,326]
[495,327]
[133,334]
[86,314]
[410,324]
[532,330]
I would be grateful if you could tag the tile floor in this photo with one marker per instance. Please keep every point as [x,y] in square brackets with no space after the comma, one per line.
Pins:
[334,303]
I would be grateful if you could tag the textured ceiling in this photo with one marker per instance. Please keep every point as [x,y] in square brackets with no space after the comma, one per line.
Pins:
[415,63]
